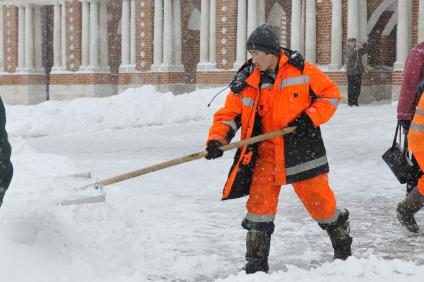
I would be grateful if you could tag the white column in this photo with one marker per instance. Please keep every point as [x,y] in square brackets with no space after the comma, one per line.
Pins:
[310,37]
[38,41]
[252,16]
[29,38]
[63,35]
[1,40]
[94,34]
[167,34]
[402,36]
[132,34]
[421,22]
[204,35]
[302,29]
[158,36]
[21,38]
[363,33]
[212,34]
[241,34]
[261,12]
[336,35]
[125,41]
[177,35]
[57,37]
[296,31]
[103,35]
[353,19]
[363,20]
[85,34]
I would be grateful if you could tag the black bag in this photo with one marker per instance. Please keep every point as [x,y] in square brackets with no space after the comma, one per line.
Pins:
[397,158]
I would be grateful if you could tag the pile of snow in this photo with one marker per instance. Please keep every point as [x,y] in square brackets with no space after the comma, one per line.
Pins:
[353,270]
[133,108]
[171,225]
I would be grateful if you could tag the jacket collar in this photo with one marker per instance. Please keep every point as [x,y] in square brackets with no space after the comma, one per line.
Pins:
[254,79]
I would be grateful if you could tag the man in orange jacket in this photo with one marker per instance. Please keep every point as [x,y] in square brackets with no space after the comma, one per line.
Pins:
[414,201]
[275,89]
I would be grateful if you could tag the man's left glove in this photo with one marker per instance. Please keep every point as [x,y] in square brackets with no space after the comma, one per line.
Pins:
[304,125]
[213,149]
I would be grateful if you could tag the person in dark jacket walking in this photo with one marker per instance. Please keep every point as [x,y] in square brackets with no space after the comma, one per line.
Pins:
[354,69]
[6,168]
[275,89]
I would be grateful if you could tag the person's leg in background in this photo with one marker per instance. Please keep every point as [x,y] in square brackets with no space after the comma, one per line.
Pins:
[351,90]
[413,202]
[357,91]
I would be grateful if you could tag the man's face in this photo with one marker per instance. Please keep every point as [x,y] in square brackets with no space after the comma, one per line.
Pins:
[352,43]
[264,61]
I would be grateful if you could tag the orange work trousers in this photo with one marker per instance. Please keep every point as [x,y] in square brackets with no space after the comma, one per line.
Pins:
[315,193]
[420,160]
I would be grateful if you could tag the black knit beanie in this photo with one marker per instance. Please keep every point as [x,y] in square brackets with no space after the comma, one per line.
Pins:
[264,39]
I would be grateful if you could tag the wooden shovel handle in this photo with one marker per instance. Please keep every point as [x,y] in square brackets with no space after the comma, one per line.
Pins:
[191,157]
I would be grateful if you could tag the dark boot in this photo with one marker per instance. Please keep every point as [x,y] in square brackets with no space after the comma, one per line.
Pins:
[339,235]
[257,251]
[356,103]
[408,207]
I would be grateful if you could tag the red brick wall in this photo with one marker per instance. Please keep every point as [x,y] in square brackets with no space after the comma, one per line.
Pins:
[22,79]
[151,78]
[324,11]
[144,34]
[384,52]
[415,6]
[114,10]
[397,77]
[221,78]
[10,38]
[286,5]
[226,28]
[80,78]
[190,41]
[73,35]
[373,5]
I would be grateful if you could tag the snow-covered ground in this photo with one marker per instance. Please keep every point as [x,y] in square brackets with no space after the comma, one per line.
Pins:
[171,225]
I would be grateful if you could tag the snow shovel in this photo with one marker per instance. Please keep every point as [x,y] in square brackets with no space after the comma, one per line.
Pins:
[199,155]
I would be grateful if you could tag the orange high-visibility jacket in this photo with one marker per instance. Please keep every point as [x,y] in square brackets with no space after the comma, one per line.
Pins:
[300,89]
[416,131]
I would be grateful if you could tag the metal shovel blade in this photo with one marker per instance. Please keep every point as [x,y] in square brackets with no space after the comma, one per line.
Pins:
[89,199]
[86,200]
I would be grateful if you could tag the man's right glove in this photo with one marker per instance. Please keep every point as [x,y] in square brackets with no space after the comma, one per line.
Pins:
[213,149]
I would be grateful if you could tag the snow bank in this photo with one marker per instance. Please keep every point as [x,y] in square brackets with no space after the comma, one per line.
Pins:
[364,269]
[133,108]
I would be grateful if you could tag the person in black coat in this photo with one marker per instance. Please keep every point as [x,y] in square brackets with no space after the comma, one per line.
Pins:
[6,168]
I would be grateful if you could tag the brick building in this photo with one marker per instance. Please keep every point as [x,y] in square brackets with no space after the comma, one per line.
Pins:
[57,49]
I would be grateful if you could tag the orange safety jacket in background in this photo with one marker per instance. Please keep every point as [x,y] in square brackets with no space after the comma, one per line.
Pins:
[416,140]
[416,131]
[300,88]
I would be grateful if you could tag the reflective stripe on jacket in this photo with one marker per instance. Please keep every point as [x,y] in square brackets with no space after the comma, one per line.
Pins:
[299,88]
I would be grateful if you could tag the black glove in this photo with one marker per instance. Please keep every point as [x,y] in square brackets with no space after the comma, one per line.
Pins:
[420,88]
[405,124]
[213,149]
[304,125]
